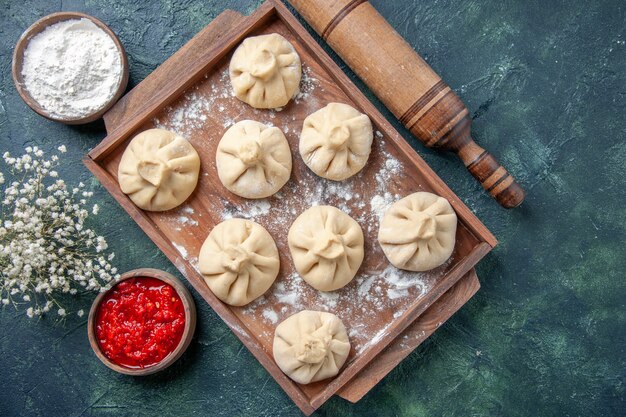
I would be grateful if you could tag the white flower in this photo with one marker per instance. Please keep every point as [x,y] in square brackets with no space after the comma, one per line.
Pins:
[80,312]
[62,149]
[45,245]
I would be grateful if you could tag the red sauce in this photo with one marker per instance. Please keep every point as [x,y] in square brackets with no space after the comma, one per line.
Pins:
[139,322]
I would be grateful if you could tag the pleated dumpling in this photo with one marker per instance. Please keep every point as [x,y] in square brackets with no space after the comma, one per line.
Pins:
[336,141]
[326,246]
[418,233]
[253,160]
[158,170]
[310,346]
[265,71]
[239,261]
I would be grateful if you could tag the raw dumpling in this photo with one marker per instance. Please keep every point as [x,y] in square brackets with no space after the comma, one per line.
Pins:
[158,170]
[265,71]
[326,246]
[418,232]
[253,160]
[310,346]
[336,141]
[239,261]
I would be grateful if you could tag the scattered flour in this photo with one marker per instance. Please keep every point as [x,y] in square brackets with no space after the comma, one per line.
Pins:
[289,290]
[187,210]
[184,220]
[375,339]
[270,315]
[400,281]
[251,209]
[380,203]
[330,299]
[194,110]
[191,115]
[181,249]
[308,83]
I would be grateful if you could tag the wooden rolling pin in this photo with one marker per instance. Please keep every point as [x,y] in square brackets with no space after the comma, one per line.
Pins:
[407,85]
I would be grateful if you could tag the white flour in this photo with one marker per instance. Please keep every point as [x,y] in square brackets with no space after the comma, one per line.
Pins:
[249,210]
[72,69]
[307,85]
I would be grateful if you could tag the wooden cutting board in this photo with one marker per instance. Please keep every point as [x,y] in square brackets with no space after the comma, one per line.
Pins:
[203,73]
[413,336]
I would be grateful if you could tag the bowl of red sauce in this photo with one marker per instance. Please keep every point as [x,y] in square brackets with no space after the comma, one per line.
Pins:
[143,323]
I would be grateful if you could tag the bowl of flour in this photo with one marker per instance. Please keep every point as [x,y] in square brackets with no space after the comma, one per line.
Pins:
[70,67]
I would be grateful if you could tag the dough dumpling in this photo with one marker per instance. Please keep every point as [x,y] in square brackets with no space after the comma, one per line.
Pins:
[158,170]
[253,160]
[265,71]
[336,141]
[239,261]
[326,246]
[418,232]
[310,346]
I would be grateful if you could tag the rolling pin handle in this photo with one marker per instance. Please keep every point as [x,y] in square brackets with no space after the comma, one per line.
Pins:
[492,176]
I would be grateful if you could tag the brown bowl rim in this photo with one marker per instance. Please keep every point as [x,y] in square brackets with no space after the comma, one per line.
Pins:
[18,59]
[190,322]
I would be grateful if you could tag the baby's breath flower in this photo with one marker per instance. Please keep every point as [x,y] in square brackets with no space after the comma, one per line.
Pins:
[46,247]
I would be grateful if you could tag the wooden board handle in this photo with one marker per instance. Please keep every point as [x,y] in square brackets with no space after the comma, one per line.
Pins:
[407,85]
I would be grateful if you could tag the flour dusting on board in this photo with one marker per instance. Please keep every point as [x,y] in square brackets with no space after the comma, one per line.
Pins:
[194,110]
[307,85]
[248,210]
[379,289]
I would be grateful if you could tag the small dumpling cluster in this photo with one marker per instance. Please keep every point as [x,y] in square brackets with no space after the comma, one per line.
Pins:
[253,160]
[239,259]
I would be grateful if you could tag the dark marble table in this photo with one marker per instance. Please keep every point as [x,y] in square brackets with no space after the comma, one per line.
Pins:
[545,82]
